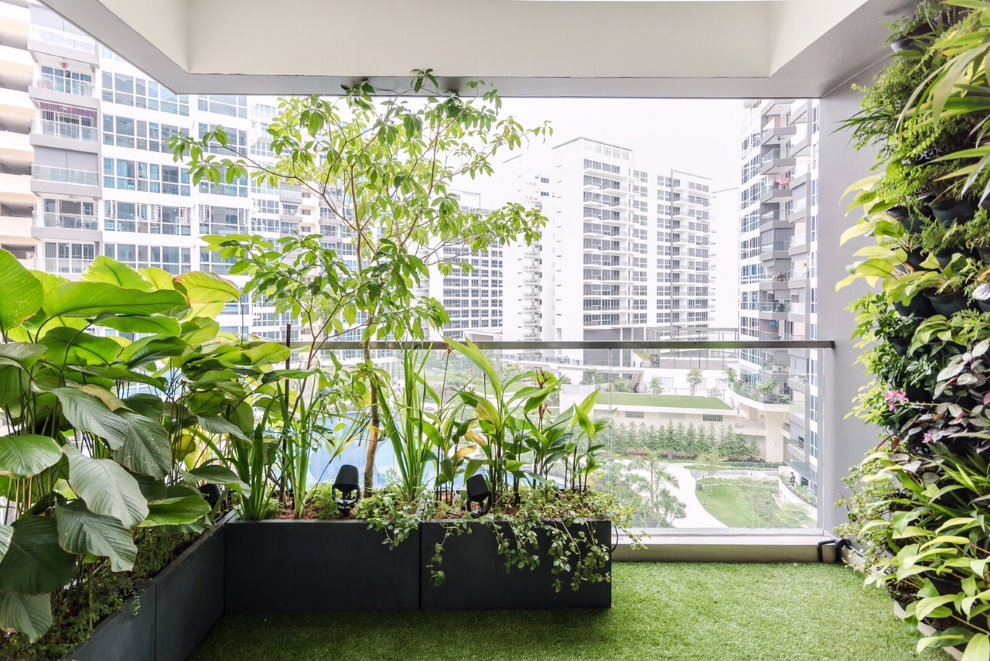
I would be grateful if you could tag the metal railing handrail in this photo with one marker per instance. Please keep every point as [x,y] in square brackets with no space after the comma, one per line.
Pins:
[438,345]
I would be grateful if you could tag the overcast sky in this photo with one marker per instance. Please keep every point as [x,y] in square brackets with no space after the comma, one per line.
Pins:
[702,137]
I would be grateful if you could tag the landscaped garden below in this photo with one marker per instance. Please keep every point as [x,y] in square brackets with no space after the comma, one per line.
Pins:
[660,611]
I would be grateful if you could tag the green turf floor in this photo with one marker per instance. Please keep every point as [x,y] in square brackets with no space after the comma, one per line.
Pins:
[660,611]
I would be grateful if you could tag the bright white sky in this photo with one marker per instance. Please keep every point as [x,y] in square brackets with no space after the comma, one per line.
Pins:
[702,137]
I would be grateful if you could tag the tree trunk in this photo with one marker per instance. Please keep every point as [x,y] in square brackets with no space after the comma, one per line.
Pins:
[369,466]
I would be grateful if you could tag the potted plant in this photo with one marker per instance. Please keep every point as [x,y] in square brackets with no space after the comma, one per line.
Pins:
[977,234]
[943,242]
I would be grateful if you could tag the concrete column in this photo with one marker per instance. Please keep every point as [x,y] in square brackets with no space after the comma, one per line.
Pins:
[844,441]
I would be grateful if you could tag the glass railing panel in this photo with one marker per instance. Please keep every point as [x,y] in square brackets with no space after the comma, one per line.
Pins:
[65,175]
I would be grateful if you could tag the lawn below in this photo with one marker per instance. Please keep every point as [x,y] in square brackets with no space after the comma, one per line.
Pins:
[661,611]
[749,503]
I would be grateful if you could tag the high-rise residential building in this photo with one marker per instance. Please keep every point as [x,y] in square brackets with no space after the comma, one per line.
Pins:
[626,249]
[778,278]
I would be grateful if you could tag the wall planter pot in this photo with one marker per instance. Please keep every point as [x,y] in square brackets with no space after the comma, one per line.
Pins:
[911,221]
[899,345]
[914,259]
[310,565]
[172,614]
[984,253]
[952,212]
[947,304]
[475,576]
[917,307]
[983,305]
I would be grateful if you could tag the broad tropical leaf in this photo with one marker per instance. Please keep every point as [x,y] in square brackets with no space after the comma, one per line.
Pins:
[22,293]
[91,299]
[67,346]
[104,269]
[107,488]
[24,455]
[30,614]
[89,414]
[157,324]
[81,531]
[175,511]
[146,449]
[34,562]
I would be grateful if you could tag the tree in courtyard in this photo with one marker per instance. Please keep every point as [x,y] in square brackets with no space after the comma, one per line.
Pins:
[656,385]
[644,484]
[383,170]
[591,377]
[694,379]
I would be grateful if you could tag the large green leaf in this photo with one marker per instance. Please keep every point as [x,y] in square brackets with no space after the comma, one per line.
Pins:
[204,287]
[121,373]
[87,413]
[67,346]
[160,278]
[146,449]
[24,455]
[175,511]
[91,299]
[150,349]
[81,531]
[104,269]
[23,353]
[214,474]
[34,562]
[107,488]
[157,324]
[22,293]
[14,382]
[6,533]
[30,614]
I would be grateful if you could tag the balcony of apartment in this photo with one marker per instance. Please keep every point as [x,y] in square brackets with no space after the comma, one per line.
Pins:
[776,192]
[65,135]
[777,162]
[60,220]
[65,181]
[774,250]
[16,104]
[15,17]
[774,309]
[776,281]
[15,188]
[65,91]
[15,147]
[776,134]
[16,61]
[63,45]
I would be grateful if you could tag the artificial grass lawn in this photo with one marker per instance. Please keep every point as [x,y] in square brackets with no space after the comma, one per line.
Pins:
[660,611]
[668,401]
[748,503]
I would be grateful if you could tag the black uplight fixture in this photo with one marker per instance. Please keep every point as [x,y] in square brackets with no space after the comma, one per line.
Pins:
[478,492]
[346,488]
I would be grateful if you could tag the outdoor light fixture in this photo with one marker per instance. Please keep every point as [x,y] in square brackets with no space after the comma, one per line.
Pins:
[346,485]
[478,492]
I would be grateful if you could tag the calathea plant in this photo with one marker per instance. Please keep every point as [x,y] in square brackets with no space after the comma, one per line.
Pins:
[92,429]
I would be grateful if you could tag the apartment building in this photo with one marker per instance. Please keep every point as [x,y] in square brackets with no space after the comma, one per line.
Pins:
[626,249]
[778,275]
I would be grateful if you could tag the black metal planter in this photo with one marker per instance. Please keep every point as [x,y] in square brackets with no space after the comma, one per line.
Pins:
[309,565]
[951,212]
[175,611]
[476,579]
[947,304]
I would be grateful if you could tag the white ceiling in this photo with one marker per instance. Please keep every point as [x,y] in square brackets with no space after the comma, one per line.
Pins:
[650,48]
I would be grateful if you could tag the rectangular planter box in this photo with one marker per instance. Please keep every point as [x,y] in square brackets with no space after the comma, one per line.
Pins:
[476,578]
[306,565]
[172,614]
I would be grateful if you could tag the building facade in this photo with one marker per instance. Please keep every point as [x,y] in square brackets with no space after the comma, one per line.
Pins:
[778,275]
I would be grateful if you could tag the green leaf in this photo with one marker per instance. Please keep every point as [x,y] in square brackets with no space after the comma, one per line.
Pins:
[204,287]
[34,562]
[81,531]
[89,414]
[978,648]
[25,613]
[146,449]
[214,474]
[150,349]
[107,488]
[91,299]
[175,511]
[22,293]
[67,346]
[6,533]
[104,269]
[24,455]
[22,353]
[158,324]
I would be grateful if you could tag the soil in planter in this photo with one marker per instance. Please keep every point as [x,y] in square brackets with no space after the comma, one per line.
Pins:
[74,616]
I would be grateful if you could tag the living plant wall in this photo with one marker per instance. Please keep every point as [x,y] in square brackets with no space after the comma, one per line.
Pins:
[919,506]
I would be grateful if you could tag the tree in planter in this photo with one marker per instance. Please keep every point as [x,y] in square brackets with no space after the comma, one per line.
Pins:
[694,379]
[383,169]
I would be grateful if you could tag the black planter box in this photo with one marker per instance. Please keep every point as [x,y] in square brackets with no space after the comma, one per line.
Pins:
[476,578]
[171,615]
[308,565]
